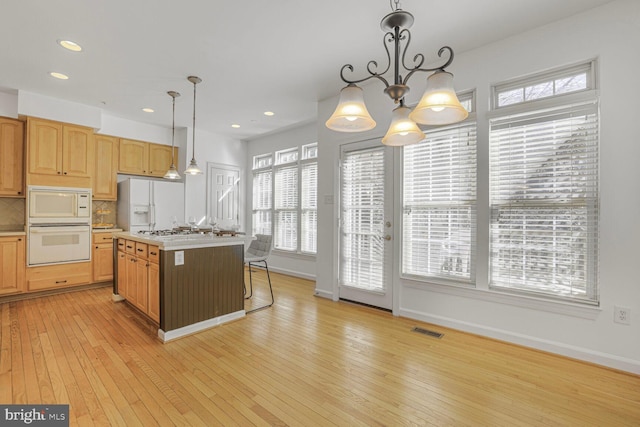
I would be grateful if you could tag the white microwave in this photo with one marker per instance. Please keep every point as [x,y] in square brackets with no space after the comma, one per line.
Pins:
[55,205]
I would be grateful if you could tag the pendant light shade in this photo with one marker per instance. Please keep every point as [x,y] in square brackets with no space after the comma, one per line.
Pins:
[403,130]
[193,168]
[351,114]
[439,104]
[172,173]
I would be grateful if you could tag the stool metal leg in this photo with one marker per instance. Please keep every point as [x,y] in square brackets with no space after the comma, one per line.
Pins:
[270,287]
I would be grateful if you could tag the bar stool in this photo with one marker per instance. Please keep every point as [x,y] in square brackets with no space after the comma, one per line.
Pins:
[257,253]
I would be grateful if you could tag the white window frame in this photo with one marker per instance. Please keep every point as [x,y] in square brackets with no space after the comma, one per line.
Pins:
[300,157]
[503,197]
[457,268]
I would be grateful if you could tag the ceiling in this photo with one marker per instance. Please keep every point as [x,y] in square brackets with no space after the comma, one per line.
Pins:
[252,55]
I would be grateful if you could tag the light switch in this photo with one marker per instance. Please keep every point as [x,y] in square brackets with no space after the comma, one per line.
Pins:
[179,257]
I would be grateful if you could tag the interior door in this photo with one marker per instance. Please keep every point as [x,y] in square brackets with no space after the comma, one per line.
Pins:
[223,195]
[366,224]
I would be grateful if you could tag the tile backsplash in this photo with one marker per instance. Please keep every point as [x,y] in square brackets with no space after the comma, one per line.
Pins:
[12,214]
[105,206]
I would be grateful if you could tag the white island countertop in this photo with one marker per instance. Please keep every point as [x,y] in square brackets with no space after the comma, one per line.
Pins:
[182,241]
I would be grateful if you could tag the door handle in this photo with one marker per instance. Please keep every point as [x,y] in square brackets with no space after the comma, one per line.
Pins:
[387,237]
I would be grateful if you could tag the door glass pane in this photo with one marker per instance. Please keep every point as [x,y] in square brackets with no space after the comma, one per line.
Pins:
[362,215]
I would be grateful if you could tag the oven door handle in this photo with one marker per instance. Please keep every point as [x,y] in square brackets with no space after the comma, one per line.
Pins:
[45,230]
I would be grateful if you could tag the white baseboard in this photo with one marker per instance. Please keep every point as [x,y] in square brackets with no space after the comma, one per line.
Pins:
[586,355]
[323,294]
[288,272]
[200,326]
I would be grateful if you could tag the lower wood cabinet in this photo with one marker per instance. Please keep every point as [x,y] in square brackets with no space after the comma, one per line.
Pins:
[139,276]
[58,276]
[12,264]
[102,258]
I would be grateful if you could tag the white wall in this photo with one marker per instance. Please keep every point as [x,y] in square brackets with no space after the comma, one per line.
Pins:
[610,34]
[293,264]
[211,148]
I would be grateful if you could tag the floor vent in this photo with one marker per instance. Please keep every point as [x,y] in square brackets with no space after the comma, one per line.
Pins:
[428,332]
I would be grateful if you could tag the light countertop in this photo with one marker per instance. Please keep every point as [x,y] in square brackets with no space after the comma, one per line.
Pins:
[182,242]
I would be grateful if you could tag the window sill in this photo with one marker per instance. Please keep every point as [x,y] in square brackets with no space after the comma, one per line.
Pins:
[297,255]
[583,311]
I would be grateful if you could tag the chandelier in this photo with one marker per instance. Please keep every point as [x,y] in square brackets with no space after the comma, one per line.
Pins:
[439,104]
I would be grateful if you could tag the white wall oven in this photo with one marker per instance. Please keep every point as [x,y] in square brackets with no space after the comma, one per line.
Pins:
[59,225]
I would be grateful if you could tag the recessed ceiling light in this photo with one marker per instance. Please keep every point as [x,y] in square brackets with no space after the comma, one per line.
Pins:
[59,75]
[148,110]
[269,113]
[235,126]
[69,45]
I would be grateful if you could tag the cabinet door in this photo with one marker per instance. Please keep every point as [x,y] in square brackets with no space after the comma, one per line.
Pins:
[45,147]
[12,265]
[11,157]
[105,169]
[133,157]
[122,274]
[102,262]
[154,291]
[131,290]
[142,285]
[77,151]
[159,159]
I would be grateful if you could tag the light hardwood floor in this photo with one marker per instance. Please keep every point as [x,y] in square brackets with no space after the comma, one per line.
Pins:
[306,361]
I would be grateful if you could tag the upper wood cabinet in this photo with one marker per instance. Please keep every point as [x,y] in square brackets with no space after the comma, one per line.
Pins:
[11,158]
[133,157]
[159,159]
[105,170]
[144,158]
[61,150]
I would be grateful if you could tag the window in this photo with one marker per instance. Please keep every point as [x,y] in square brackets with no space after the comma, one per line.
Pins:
[544,191]
[286,191]
[439,203]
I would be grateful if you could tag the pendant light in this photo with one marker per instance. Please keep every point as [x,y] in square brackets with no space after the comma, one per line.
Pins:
[403,130]
[193,168]
[172,173]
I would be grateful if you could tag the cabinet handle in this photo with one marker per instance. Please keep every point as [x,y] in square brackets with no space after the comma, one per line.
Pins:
[130,247]
[97,247]
[19,240]
[59,172]
[61,281]
[139,250]
[64,173]
[153,253]
[19,192]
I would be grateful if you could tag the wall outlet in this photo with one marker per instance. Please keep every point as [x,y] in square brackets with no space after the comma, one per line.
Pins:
[622,315]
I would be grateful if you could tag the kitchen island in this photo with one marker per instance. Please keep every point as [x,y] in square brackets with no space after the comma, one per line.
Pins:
[185,283]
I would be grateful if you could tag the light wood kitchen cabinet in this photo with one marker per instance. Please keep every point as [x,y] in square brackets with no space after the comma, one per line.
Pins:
[102,257]
[58,276]
[139,276]
[12,264]
[11,158]
[159,159]
[60,150]
[133,157]
[144,158]
[105,169]
[122,272]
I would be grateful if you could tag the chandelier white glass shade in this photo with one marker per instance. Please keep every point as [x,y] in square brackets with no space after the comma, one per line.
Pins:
[438,106]
[172,173]
[193,168]
[403,130]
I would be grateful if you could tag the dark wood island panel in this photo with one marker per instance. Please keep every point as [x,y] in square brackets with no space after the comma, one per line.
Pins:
[208,285]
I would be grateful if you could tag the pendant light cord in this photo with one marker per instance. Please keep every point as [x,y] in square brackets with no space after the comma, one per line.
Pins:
[193,149]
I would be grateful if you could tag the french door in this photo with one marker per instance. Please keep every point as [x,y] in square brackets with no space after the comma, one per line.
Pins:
[366,224]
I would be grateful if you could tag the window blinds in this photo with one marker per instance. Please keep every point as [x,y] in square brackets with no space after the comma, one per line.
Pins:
[439,205]
[544,201]
[286,208]
[362,217]
[309,215]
